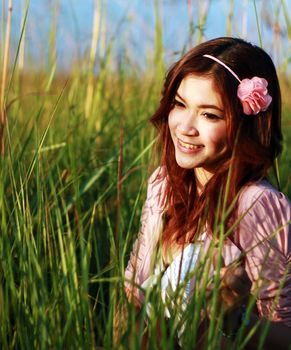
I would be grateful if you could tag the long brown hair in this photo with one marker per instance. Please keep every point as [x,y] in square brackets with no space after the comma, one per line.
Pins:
[257,137]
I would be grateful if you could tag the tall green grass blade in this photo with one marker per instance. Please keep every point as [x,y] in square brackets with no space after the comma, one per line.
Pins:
[17,50]
[258,24]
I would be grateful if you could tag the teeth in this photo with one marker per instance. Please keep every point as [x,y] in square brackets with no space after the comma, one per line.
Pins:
[188,145]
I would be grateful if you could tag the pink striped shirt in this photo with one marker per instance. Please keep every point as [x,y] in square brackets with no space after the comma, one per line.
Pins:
[263,233]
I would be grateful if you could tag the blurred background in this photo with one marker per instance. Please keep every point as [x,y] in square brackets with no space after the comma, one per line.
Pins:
[69,27]
[79,81]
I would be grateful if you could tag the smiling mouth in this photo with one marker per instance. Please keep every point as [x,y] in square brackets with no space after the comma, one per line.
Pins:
[189,145]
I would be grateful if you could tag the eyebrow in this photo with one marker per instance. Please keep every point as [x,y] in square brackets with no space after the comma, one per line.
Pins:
[204,105]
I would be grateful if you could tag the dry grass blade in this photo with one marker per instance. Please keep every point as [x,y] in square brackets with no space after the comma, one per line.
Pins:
[5,68]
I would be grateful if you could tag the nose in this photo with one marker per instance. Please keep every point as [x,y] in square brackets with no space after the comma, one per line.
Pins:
[188,126]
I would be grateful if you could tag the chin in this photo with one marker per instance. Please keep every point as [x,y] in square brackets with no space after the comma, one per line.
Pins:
[185,165]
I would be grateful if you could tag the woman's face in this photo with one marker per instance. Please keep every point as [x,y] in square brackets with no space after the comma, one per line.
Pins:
[197,125]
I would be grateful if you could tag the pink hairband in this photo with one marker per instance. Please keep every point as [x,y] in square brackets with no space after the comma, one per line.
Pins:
[253,93]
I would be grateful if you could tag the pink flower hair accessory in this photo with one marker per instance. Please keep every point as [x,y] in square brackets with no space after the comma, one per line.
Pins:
[254,96]
[253,93]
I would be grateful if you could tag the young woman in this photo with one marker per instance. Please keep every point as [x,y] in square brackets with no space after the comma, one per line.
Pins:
[219,125]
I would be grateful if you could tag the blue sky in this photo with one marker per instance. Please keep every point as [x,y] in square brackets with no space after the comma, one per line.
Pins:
[130,24]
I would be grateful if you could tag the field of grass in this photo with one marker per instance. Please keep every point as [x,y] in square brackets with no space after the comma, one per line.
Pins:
[77,155]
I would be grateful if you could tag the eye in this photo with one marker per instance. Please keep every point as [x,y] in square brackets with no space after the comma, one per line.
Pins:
[212,116]
[177,103]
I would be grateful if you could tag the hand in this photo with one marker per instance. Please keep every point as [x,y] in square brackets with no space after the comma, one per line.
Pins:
[235,286]
[233,292]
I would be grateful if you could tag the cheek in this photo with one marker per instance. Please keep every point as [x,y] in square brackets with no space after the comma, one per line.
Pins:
[218,138]
[175,120]
[172,123]
[172,120]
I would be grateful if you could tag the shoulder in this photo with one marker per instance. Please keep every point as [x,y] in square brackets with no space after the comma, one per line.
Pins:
[156,191]
[261,196]
[263,232]
[264,215]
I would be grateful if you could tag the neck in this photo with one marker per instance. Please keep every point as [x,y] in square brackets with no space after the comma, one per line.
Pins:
[202,177]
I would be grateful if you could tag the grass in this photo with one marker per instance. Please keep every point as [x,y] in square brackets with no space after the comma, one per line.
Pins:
[72,185]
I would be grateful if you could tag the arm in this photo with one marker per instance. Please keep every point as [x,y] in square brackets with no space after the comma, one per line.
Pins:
[233,291]
[264,235]
[130,301]
[138,267]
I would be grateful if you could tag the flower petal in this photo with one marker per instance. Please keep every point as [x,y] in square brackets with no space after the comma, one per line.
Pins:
[254,96]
